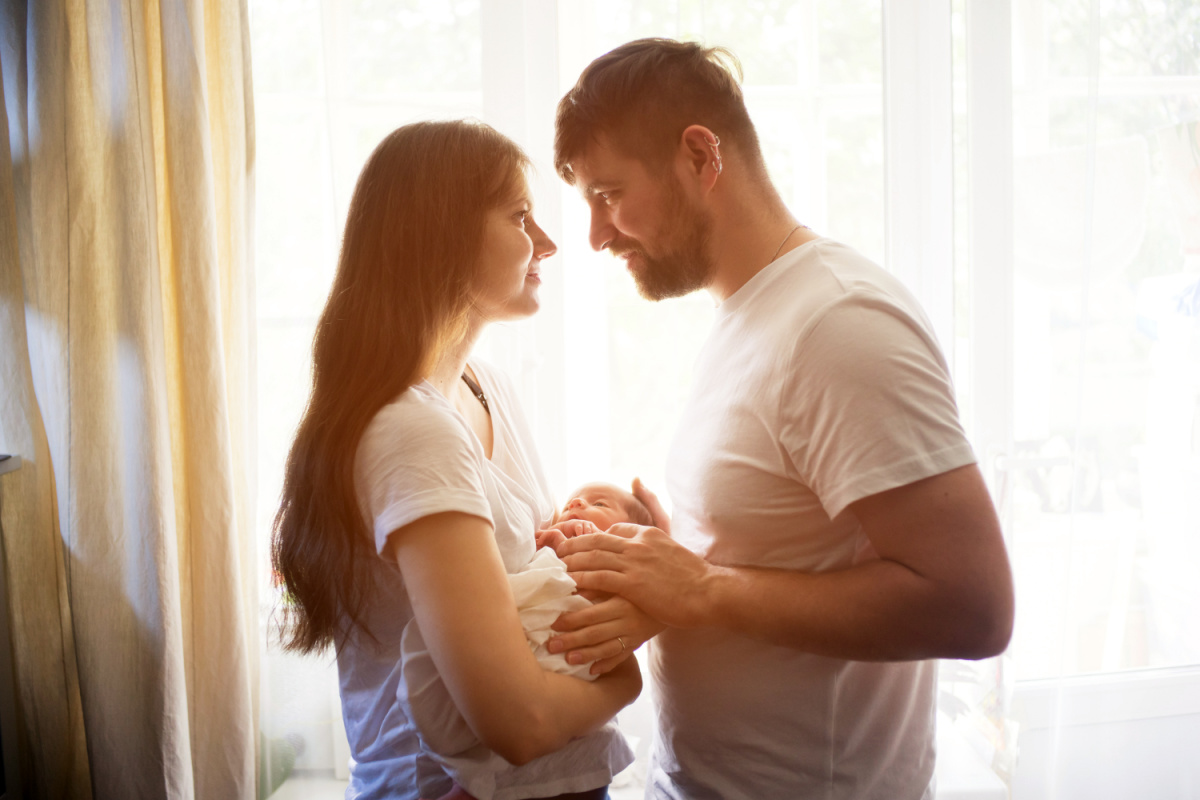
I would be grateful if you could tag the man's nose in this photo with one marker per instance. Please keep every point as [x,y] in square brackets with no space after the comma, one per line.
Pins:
[601,232]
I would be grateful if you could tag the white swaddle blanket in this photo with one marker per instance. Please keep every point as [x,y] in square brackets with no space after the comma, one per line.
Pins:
[543,590]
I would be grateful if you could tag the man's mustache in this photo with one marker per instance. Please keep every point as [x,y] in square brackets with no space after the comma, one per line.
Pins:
[620,249]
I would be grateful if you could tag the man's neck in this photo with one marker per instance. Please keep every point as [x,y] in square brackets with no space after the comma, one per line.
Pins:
[751,231]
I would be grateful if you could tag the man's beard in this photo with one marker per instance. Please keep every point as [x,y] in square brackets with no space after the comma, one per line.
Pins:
[683,268]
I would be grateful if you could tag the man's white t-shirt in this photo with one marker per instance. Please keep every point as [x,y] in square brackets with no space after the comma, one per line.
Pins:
[821,383]
[419,457]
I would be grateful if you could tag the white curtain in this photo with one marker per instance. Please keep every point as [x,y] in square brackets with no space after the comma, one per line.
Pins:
[125,357]
[1098,301]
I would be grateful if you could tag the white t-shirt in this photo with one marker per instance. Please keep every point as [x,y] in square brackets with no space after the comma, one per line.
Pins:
[821,383]
[419,457]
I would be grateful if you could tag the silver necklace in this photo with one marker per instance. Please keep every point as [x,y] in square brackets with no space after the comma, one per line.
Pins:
[781,244]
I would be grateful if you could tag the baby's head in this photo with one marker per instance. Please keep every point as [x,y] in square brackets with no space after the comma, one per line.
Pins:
[603,505]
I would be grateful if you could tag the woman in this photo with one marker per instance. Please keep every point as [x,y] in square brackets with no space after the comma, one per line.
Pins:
[412,486]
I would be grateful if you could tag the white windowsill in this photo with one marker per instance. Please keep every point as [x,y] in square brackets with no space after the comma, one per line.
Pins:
[1110,697]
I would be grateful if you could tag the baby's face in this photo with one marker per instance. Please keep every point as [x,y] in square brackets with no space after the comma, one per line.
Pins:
[601,504]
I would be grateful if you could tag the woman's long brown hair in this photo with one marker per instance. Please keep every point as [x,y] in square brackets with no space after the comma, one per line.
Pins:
[414,234]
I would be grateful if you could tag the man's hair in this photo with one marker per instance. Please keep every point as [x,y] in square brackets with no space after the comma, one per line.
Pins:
[642,95]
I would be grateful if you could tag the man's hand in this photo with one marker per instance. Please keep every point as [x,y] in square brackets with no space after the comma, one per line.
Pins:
[645,566]
[662,520]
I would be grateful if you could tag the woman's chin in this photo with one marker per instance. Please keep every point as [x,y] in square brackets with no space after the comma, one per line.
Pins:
[516,312]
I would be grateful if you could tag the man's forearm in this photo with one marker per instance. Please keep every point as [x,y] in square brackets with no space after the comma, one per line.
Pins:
[877,611]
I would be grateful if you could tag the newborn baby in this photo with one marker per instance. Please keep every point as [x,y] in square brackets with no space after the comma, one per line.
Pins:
[594,507]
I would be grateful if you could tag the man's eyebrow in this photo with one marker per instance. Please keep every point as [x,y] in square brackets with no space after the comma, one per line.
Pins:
[594,188]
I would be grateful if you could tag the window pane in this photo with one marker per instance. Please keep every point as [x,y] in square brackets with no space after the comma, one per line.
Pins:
[393,47]
[1105,512]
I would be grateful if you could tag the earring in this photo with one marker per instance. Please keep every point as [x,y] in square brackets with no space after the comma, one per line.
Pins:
[716,155]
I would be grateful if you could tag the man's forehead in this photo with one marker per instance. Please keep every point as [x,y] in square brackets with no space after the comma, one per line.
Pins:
[601,164]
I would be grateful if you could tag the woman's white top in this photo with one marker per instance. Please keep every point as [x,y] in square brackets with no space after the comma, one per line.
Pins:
[419,457]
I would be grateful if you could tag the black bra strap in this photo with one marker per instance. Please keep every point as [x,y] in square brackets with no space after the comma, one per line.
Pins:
[476,390]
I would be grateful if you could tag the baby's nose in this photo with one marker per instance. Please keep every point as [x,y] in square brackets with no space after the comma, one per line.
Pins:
[576,502]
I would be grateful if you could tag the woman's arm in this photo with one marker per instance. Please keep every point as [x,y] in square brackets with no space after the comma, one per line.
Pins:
[463,604]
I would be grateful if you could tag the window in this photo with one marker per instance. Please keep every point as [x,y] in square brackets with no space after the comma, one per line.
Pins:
[1025,165]
[1103,469]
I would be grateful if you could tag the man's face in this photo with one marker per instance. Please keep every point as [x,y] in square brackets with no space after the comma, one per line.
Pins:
[644,217]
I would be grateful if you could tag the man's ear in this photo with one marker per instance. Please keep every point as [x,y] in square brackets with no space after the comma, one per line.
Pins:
[700,150]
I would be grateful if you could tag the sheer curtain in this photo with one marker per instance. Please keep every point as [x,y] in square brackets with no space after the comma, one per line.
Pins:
[1099,474]
[127,363]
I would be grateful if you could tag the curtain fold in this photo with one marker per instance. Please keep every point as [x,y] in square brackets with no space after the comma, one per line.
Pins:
[130,131]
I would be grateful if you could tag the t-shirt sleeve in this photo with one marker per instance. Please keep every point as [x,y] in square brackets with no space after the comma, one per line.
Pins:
[416,459]
[869,405]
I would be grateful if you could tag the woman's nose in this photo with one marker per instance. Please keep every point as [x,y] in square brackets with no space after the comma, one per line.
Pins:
[543,245]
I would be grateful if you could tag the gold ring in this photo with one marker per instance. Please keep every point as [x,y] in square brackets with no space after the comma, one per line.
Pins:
[622,643]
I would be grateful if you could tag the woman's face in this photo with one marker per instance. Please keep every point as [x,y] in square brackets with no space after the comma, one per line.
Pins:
[510,263]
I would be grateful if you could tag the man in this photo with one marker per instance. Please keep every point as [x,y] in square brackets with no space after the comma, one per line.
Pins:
[831,532]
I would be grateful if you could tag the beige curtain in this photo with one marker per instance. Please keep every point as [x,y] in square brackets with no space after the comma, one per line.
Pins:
[126,197]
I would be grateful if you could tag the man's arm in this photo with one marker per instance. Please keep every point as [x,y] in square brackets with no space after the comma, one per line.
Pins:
[941,588]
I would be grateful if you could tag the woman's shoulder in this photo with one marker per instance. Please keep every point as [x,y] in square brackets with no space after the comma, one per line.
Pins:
[420,418]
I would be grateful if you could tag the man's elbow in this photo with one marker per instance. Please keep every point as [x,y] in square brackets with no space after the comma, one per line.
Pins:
[987,631]
[989,640]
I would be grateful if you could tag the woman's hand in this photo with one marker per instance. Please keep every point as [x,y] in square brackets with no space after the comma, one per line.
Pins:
[606,633]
